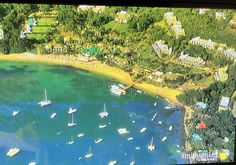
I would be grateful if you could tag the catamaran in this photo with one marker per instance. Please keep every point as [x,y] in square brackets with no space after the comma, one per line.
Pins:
[143,130]
[102,126]
[14,113]
[122,131]
[89,154]
[80,135]
[132,162]
[53,115]
[71,110]
[45,101]
[12,152]
[151,146]
[104,113]
[72,122]
[98,140]
[113,162]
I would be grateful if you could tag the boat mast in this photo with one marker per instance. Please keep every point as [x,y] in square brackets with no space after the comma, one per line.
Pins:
[72,118]
[105,107]
[45,92]
[152,141]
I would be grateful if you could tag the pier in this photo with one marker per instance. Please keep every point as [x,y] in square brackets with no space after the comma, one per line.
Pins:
[129,86]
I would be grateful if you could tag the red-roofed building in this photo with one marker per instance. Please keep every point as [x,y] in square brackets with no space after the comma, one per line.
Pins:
[201,125]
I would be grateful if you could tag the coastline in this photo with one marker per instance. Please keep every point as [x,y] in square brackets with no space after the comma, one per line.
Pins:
[103,69]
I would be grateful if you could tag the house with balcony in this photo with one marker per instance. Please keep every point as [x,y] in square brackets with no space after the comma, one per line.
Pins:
[161,48]
[178,30]
[203,43]
[185,59]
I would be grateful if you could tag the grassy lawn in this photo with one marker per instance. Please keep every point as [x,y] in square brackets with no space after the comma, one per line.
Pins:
[109,25]
[40,29]
[162,24]
[36,36]
[119,27]
[45,21]
[205,82]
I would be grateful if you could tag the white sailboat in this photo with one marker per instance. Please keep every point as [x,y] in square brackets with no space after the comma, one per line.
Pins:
[98,140]
[72,122]
[89,154]
[170,128]
[32,163]
[102,126]
[12,152]
[71,141]
[14,113]
[151,146]
[132,162]
[113,162]
[164,138]
[45,101]
[53,115]
[143,129]
[104,113]
[130,138]
[80,135]
[71,110]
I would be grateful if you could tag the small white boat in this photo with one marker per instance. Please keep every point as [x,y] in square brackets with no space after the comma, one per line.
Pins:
[132,162]
[113,162]
[72,122]
[151,146]
[80,135]
[125,154]
[71,110]
[104,113]
[167,107]
[177,145]
[14,113]
[89,154]
[32,163]
[164,138]
[159,122]
[143,130]
[53,115]
[137,148]
[133,121]
[70,142]
[45,101]
[130,138]
[102,126]
[121,85]
[170,128]
[80,158]
[122,131]
[58,133]
[155,104]
[178,151]
[12,152]
[109,123]
[98,140]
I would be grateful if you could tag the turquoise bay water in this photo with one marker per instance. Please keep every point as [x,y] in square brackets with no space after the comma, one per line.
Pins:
[43,140]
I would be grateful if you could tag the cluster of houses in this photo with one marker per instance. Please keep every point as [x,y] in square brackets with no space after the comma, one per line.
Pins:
[220,15]
[122,17]
[175,25]
[28,27]
[192,61]
[232,22]
[96,9]
[161,48]
[221,48]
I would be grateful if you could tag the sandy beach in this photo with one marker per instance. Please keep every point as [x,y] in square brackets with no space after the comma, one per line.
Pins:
[103,69]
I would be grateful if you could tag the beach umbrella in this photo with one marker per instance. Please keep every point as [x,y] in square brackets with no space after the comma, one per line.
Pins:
[201,125]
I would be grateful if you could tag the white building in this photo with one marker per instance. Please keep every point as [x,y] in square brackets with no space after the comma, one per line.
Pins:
[178,30]
[220,15]
[203,10]
[230,53]
[122,17]
[170,18]
[188,60]
[202,42]
[224,103]
[1,34]
[161,48]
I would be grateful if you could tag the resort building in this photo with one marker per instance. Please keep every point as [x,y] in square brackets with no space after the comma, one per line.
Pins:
[224,103]
[1,33]
[232,22]
[203,43]
[221,74]
[230,53]
[234,109]
[201,105]
[159,73]
[203,10]
[178,30]
[175,25]
[96,9]
[170,18]
[192,61]
[122,17]
[161,48]
[220,15]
